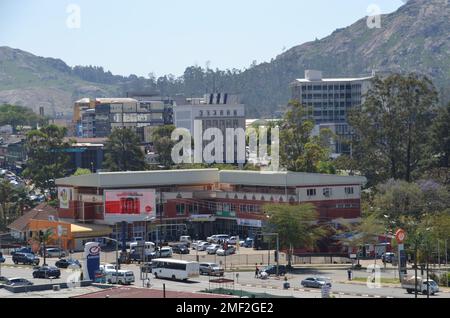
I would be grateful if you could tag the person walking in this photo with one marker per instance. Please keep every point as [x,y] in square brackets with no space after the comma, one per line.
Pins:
[256,271]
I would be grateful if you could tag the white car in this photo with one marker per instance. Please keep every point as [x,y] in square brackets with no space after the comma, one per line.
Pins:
[121,277]
[108,268]
[222,252]
[203,246]
[212,249]
[233,240]
[195,244]
[217,238]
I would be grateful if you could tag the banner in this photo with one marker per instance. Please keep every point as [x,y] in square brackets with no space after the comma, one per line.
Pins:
[91,259]
[129,205]
[64,196]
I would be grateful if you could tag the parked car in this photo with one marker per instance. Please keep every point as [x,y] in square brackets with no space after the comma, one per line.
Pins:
[211,269]
[224,252]
[180,249]
[233,240]
[186,239]
[387,257]
[54,252]
[108,268]
[272,270]
[2,258]
[203,246]
[212,249]
[248,243]
[121,277]
[27,250]
[65,263]
[25,258]
[47,272]
[217,238]
[195,244]
[315,282]
[162,252]
[18,281]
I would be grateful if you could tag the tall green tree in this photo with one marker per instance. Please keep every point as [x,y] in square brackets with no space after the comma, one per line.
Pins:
[48,158]
[163,144]
[13,202]
[440,138]
[17,116]
[299,150]
[122,151]
[295,224]
[392,127]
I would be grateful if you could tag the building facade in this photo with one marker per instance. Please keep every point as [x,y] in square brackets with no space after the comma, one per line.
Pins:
[329,101]
[208,201]
[220,111]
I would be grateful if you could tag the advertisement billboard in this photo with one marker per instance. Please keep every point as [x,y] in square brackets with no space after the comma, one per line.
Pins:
[64,196]
[129,204]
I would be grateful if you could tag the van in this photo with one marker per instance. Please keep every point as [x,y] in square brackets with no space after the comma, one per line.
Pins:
[186,239]
[121,277]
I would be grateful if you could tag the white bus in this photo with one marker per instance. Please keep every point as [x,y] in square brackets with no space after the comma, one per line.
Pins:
[175,269]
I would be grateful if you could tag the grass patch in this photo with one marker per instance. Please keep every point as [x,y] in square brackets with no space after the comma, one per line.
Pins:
[382,280]
[241,293]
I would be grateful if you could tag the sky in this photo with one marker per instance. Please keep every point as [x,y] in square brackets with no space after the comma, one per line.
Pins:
[165,36]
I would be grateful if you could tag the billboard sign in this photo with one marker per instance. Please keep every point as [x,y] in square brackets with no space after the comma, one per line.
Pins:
[64,196]
[91,258]
[129,205]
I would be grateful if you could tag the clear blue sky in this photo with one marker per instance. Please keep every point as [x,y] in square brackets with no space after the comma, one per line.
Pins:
[166,36]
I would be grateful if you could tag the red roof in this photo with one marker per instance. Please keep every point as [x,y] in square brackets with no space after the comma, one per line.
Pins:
[133,292]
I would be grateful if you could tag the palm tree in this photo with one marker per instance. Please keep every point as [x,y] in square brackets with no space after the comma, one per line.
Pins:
[44,238]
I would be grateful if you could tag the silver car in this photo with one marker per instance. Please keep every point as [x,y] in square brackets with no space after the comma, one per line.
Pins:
[212,249]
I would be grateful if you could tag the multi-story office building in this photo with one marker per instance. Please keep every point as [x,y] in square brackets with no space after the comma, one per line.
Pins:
[329,100]
[203,202]
[99,118]
[220,111]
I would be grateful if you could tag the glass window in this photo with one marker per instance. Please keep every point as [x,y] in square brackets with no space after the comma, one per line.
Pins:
[327,192]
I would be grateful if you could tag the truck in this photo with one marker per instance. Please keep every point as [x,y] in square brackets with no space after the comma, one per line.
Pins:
[409,283]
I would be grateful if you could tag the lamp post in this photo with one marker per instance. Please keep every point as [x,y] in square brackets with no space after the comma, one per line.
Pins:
[117,254]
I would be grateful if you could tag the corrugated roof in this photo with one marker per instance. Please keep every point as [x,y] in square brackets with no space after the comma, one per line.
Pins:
[41,212]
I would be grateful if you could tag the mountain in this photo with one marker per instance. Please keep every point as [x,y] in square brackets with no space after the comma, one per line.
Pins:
[415,38]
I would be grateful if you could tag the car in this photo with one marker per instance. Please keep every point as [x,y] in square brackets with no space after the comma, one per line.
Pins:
[315,282]
[22,250]
[162,252]
[18,281]
[25,258]
[233,240]
[2,258]
[195,244]
[186,239]
[203,246]
[65,263]
[108,268]
[211,269]
[217,238]
[47,272]
[248,243]
[387,257]
[121,277]
[54,252]
[212,249]
[224,252]
[180,249]
[272,270]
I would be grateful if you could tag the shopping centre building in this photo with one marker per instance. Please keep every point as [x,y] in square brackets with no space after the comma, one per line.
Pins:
[200,202]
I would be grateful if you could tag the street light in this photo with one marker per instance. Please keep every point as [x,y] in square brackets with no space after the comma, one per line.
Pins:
[117,254]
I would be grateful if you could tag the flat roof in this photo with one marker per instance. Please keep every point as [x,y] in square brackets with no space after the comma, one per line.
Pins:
[329,80]
[206,176]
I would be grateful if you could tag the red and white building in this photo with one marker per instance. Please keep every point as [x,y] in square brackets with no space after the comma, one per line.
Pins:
[203,202]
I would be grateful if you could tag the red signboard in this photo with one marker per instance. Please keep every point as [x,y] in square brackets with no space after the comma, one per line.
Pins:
[129,203]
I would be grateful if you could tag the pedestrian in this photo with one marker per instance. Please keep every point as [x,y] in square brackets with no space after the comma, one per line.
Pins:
[256,271]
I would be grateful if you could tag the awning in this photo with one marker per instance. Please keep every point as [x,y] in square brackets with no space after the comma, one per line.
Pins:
[89,230]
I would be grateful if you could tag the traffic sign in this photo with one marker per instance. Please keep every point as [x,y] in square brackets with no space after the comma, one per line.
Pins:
[400,236]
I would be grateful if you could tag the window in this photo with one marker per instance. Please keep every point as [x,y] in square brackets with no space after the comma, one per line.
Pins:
[349,190]
[235,112]
[180,209]
[327,192]
[311,192]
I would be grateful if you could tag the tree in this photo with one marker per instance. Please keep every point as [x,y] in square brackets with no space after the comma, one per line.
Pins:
[122,151]
[163,144]
[48,159]
[17,116]
[440,138]
[391,127]
[295,224]
[44,238]
[82,172]
[299,150]
[13,201]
